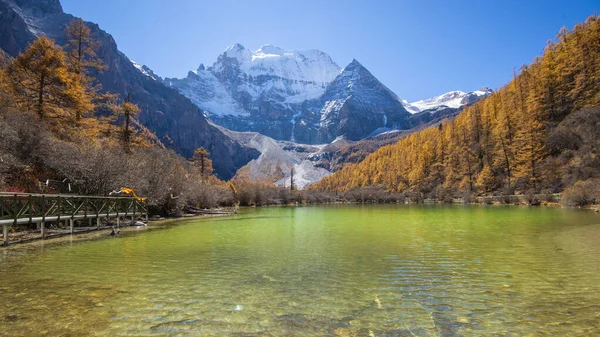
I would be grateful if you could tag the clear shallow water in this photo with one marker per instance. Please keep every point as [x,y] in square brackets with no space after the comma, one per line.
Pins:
[321,271]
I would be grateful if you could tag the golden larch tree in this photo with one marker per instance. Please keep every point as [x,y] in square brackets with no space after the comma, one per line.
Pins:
[201,160]
[39,80]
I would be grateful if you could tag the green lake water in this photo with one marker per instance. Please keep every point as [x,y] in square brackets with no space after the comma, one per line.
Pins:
[318,271]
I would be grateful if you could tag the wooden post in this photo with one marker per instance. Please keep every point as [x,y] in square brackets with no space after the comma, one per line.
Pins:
[5,233]
[98,222]
[43,229]
[118,222]
[90,222]
[71,225]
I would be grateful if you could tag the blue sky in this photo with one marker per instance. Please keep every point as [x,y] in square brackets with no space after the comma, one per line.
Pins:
[418,49]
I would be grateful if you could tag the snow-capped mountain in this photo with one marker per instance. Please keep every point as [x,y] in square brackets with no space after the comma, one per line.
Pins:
[302,96]
[452,99]
[243,80]
[275,73]
[354,105]
[261,91]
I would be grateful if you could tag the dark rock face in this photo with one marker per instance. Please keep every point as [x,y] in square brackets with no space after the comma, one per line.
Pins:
[426,116]
[14,32]
[355,104]
[164,110]
[41,6]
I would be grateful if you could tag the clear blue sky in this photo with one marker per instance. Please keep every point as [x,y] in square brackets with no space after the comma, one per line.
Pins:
[417,48]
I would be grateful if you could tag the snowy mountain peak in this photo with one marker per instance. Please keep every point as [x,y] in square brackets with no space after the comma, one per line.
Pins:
[242,82]
[268,49]
[356,78]
[485,91]
[301,95]
[356,104]
[354,66]
[453,99]
[310,66]
[238,52]
[353,70]
[234,48]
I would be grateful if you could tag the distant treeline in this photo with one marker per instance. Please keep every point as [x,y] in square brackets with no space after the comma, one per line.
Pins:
[538,134]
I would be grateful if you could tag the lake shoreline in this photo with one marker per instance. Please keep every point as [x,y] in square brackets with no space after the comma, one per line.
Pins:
[104,232]
[163,222]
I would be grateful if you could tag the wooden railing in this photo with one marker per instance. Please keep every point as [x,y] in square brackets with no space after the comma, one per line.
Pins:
[18,208]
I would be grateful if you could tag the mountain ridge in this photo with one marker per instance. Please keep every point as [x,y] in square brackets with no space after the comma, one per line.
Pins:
[452,99]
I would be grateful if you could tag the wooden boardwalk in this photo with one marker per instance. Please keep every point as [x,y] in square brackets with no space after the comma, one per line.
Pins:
[39,209]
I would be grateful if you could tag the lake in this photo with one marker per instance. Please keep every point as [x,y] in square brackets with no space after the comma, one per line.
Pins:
[389,270]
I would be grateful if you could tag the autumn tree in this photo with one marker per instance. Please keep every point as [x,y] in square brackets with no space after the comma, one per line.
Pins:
[201,160]
[292,183]
[485,179]
[530,139]
[39,80]
[81,55]
[129,112]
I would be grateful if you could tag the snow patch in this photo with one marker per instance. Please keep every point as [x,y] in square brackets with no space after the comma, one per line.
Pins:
[301,74]
[452,99]
[208,93]
[329,108]
[145,70]
[304,174]
[277,158]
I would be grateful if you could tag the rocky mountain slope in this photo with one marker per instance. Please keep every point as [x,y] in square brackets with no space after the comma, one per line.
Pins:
[354,105]
[300,96]
[311,163]
[259,91]
[278,158]
[164,110]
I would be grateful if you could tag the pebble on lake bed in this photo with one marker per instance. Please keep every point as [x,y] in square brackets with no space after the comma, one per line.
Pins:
[342,332]
[378,302]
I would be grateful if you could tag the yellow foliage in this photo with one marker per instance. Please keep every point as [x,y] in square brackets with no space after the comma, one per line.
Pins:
[501,136]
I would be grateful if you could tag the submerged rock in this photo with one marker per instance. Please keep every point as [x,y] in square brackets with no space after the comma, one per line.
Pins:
[311,324]
[448,325]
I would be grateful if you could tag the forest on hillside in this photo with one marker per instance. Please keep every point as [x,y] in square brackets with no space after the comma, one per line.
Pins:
[538,134]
